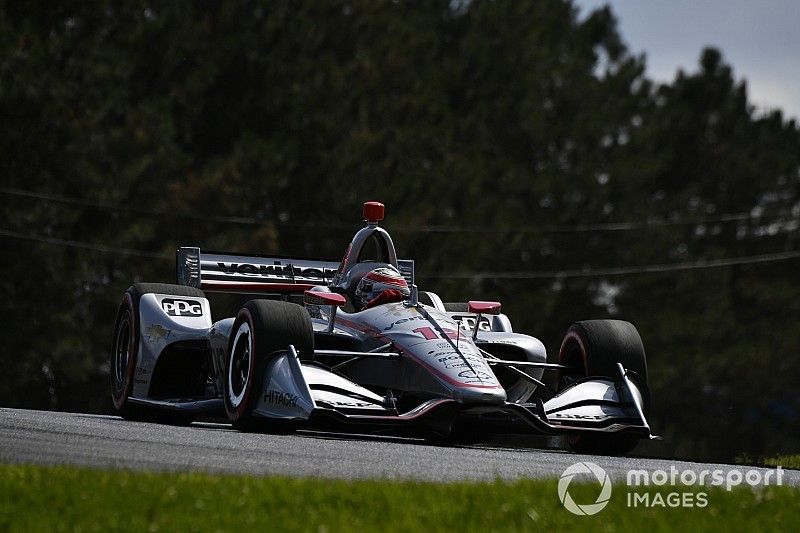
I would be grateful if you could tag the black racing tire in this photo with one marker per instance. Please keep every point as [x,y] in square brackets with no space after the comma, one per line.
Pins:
[261,328]
[593,348]
[125,350]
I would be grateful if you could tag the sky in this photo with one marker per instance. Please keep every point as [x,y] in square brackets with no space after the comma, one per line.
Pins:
[760,39]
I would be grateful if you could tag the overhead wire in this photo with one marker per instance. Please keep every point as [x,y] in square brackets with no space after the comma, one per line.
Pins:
[520,275]
[619,271]
[126,208]
[451,229]
[84,245]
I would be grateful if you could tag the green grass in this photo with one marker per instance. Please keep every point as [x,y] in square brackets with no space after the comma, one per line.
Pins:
[786,461]
[71,499]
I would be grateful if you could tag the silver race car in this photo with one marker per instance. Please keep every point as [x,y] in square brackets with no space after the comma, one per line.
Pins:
[354,345]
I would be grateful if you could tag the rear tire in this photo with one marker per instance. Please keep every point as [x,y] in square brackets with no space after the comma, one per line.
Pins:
[125,352]
[593,348]
[261,328]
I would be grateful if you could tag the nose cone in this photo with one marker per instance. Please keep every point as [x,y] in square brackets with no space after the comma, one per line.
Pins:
[484,396]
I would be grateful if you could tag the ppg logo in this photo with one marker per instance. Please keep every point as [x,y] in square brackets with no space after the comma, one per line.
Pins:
[468,323]
[181,307]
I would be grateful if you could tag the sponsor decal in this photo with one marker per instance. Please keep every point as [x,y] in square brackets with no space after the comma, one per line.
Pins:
[510,342]
[351,404]
[453,359]
[175,307]
[474,364]
[429,334]
[277,270]
[578,417]
[140,375]
[403,321]
[472,375]
[286,399]
[467,323]
[156,333]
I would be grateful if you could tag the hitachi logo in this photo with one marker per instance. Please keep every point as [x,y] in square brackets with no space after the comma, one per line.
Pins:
[277,270]
[287,399]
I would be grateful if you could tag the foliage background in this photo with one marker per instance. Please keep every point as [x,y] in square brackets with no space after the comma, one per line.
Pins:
[502,136]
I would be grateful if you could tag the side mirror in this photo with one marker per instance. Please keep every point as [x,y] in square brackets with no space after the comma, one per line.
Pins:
[484,308]
[324,298]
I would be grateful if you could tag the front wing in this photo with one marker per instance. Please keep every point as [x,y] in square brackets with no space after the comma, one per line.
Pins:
[309,393]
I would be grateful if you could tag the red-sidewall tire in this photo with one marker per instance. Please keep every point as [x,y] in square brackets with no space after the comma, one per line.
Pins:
[239,380]
[593,348]
[124,350]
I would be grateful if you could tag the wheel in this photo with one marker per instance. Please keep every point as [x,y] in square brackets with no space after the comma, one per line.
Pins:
[125,350]
[593,348]
[261,328]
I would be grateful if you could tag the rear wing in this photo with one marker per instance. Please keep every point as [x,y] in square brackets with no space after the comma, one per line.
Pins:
[227,272]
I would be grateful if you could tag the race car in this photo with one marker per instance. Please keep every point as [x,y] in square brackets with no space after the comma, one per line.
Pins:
[354,345]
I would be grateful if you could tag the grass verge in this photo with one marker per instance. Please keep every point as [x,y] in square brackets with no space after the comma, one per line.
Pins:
[786,461]
[34,498]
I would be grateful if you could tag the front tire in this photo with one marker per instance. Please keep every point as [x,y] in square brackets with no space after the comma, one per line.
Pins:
[261,328]
[593,348]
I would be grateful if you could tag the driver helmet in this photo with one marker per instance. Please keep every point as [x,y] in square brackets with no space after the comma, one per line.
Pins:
[379,286]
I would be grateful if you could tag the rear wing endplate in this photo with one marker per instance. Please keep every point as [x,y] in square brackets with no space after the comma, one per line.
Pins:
[227,272]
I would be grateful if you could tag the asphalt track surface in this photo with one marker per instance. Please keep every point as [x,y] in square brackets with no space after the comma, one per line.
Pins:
[51,438]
